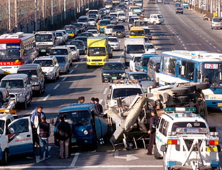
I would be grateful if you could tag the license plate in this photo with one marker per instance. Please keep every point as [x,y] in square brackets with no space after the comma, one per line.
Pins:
[73,140]
[219,104]
[114,78]
[211,149]
[96,63]
[43,50]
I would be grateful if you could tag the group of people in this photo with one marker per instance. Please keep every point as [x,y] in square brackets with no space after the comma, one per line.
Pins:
[94,100]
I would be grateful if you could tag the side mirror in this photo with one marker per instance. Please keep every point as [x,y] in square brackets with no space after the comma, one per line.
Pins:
[11,130]
[163,148]
[109,96]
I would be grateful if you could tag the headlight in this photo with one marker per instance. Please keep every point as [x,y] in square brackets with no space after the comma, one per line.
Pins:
[21,94]
[85,132]
[106,74]
[88,59]
[105,59]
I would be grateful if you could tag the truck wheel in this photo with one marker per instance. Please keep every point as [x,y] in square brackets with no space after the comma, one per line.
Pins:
[156,153]
[180,91]
[203,86]
[4,160]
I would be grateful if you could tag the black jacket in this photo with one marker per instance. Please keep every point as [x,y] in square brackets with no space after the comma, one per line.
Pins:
[153,122]
[99,108]
[63,131]
[44,129]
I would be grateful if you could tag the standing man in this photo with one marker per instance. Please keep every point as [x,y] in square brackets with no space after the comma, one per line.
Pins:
[36,120]
[44,133]
[63,136]
[152,131]
[98,106]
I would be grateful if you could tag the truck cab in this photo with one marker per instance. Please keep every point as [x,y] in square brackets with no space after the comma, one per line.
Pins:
[184,140]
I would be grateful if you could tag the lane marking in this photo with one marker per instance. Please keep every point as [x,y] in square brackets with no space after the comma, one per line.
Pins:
[74,159]
[105,90]
[101,101]
[56,86]
[122,52]
[76,66]
[70,71]
[64,79]
[46,97]
[210,44]
[214,46]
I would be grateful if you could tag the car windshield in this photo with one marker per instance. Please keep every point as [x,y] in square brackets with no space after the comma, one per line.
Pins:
[112,40]
[118,27]
[58,34]
[10,84]
[61,59]
[137,33]
[121,14]
[28,72]
[145,61]
[104,23]
[217,19]
[113,66]
[179,8]
[86,34]
[82,20]
[2,126]
[96,51]
[91,19]
[72,48]
[78,118]
[81,38]
[58,52]
[77,25]
[69,28]
[109,26]
[142,77]
[159,16]
[93,32]
[149,46]
[132,49]
[124,92]
[77,43]
[44,63]
[43,37]
[107,17]
[93,12]
[113,15]
[137,59]
[211,72]
[188,125]
[141,23]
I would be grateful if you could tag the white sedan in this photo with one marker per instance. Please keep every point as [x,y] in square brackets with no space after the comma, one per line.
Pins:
[150,49]
[114,43]
[74,52]
[94,32]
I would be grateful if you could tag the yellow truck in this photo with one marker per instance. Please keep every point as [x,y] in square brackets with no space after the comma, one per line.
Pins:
[136,32]
[116,1]
[98,51]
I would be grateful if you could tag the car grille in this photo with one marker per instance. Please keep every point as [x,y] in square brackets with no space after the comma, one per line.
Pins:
[97,60]
[114,74]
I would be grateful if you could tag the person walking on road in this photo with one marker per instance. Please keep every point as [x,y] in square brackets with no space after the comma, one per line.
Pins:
[152,131]
[44,133]
[63,132]
[98,106]
[36,120]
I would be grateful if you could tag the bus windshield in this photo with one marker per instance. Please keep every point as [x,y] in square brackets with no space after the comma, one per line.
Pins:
[43,37]
[134,49]
[96,51]
[137,33]
[211,72]
[9,54]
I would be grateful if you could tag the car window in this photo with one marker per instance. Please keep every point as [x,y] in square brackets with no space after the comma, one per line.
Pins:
[9,84]
[20,126]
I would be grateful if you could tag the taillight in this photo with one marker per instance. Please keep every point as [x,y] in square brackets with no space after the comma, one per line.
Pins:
[172,142]
[213,142]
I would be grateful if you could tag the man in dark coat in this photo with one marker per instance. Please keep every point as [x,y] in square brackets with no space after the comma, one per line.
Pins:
[98,106]
[63,132]
[152,131]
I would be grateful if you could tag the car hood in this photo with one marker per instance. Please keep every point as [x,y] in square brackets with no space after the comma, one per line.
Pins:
[47,69]
[113,71]
[16,90]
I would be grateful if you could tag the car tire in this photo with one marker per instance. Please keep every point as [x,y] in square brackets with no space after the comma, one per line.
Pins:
[103,81]
[57,78]
[88,66]
[5,156]
[156,153]
[43,89]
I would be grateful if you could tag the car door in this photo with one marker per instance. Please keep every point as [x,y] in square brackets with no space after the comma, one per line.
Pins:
[20,139]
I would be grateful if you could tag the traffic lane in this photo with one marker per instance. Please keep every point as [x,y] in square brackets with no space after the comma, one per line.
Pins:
[194,37]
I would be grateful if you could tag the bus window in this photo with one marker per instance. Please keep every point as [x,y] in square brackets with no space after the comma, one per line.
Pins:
[187,70]
[169,65]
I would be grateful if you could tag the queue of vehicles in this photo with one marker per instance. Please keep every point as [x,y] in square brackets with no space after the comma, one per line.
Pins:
[130,95]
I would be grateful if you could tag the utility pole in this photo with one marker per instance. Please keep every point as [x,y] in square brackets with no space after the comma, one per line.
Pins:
[52,13]
[64,9]
[16,15]
[9,15]
[35,6]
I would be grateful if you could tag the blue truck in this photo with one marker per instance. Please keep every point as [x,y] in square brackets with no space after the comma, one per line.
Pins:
[177,3]
[185,5]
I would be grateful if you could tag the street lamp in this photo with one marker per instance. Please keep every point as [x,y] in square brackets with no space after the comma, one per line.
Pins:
[9,15]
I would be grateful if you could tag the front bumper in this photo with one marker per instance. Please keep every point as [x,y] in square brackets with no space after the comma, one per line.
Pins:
[49,77]
[115,47]
[16,97]
[36,87]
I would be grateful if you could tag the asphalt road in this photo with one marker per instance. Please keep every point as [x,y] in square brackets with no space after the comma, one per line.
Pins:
[179,32]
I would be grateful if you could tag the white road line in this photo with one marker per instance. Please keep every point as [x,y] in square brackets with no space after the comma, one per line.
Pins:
[64,79]
[214,46]
[85,167]
[218,50]
[76,66]
[185,48]
[207,41]
[56,86]
[210,44]
[46,97]
[75,159]
[70,71]
[122,52]
[100,101]
[105,90]
[183,44]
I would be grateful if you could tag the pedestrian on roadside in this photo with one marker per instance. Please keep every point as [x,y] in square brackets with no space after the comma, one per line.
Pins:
[44,133]
[98,106]
[92,100]
[81,99]
[72,129]
[36,120]
[63,136]
[152,131]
